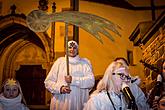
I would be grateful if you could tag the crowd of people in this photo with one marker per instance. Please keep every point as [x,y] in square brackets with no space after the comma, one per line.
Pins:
[117,90]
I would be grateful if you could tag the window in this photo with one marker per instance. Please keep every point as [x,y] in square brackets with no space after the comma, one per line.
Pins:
[130,57]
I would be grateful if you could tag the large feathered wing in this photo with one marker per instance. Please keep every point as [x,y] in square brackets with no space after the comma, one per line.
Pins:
[39,21]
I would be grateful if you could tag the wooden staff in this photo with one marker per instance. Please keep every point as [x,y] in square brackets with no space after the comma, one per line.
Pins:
[66,47]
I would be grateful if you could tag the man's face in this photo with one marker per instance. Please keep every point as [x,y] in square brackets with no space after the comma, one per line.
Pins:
[11,91]
[72,49]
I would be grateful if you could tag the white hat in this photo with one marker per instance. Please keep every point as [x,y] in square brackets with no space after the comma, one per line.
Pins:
[120,70]
[72,43]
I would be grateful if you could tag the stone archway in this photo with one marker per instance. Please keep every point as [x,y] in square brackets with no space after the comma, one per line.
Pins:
[21,49]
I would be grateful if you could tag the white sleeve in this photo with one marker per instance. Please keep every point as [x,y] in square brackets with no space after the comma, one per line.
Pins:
[88,80]
[1,107]
[90,105]
[140,98]
[51,80]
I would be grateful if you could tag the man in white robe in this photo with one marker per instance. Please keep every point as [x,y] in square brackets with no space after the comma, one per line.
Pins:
[70,96]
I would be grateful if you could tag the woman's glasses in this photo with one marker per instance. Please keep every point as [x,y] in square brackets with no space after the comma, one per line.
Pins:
[122,76]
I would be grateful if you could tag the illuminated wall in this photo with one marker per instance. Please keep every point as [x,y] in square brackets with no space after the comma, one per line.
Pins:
[99,54]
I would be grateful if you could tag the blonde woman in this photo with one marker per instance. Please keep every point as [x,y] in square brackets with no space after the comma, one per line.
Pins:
[109,95]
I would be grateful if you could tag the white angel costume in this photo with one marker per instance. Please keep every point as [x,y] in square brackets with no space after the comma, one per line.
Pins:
[17,103]
[82,81]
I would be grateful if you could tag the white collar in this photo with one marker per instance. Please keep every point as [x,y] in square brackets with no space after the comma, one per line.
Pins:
[9,102]
[74,60]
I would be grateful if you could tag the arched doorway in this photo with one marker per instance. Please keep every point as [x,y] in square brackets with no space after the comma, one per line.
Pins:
[24,55]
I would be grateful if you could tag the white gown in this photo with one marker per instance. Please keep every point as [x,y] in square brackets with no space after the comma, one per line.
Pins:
[82,81]
[101,100]
[12,104]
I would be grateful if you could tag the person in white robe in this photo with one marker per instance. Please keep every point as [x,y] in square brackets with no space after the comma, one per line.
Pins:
[109,94]
[70,92]
[11,96]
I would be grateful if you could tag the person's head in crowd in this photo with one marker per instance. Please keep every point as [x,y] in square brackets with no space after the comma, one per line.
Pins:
[122,60]
[12,89]
[11,96]
[161,103]
[72,48]
[113,78]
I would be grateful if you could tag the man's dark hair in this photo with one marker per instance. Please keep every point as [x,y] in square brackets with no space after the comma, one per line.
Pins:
[121,58]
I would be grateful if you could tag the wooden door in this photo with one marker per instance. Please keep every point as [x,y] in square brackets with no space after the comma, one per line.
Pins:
[31,78]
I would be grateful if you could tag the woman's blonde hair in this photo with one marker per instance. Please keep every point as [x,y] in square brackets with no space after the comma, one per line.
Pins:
[106,83]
